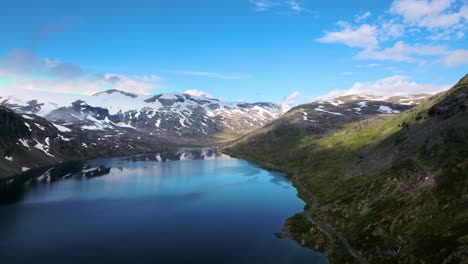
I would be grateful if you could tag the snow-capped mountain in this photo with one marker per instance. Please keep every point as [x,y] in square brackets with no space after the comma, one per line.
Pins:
[179,115]
[50,128]
[368,104]
[321,117]
[353,107]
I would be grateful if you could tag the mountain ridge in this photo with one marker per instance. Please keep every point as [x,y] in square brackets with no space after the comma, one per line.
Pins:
[181,115]
[118,123]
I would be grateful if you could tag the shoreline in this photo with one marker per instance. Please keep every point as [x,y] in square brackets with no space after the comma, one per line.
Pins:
[313,203]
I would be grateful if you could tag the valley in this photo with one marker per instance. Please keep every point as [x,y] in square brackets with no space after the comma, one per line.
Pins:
[379,175]
[234,132]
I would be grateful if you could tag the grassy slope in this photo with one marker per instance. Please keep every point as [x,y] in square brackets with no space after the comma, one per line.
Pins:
[396,188]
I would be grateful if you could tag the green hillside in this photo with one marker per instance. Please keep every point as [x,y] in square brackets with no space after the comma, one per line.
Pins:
[396,187]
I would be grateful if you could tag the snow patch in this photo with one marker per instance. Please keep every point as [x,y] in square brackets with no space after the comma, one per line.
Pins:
[337,103]
[361,105]
[387,110]
[61,128]
[40,127]
[64,138]
[24,143]
[43,148]
[89,170]
[325,111]
[158,158]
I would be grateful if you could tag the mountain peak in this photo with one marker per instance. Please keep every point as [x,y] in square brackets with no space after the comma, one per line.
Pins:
[112,91]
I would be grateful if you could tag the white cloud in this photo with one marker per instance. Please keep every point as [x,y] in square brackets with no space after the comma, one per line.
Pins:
[457,57]
[295,6]
[25,70]
[402,52]
[430,14]
[199,93]
[290,100]
[364,36]
[139,85]
[391,29]
[386,37]
[361,17]
[215,75]
[262,5]
[390,86]
[151,77]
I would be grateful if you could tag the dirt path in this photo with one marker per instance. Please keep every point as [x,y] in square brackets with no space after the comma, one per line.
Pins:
[326,228]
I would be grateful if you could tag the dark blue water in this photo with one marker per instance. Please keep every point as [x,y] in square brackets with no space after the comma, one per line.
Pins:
[213,209]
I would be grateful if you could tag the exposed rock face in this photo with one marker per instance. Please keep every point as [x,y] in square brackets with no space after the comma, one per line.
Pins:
[23,143]
[11,126]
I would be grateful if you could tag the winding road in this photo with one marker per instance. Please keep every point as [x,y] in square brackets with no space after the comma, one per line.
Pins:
[326,228]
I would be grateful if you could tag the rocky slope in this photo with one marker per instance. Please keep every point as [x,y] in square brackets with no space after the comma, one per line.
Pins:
[28,141]
[395,186]
[23,144]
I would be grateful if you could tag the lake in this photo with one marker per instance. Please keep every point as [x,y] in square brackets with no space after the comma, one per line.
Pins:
[188,206]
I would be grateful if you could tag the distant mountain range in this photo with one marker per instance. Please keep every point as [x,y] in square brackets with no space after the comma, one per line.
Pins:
[50,128]
[179,115]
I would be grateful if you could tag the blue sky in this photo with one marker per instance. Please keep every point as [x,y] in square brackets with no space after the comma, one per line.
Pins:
[252,50]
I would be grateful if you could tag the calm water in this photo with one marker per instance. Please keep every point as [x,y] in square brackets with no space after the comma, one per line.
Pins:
[195,206]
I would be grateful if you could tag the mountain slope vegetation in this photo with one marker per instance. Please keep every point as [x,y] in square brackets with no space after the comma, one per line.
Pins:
[395,186]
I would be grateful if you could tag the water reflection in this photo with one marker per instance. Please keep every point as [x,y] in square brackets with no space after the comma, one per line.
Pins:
[12,189]
[187,206]
[181,154]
